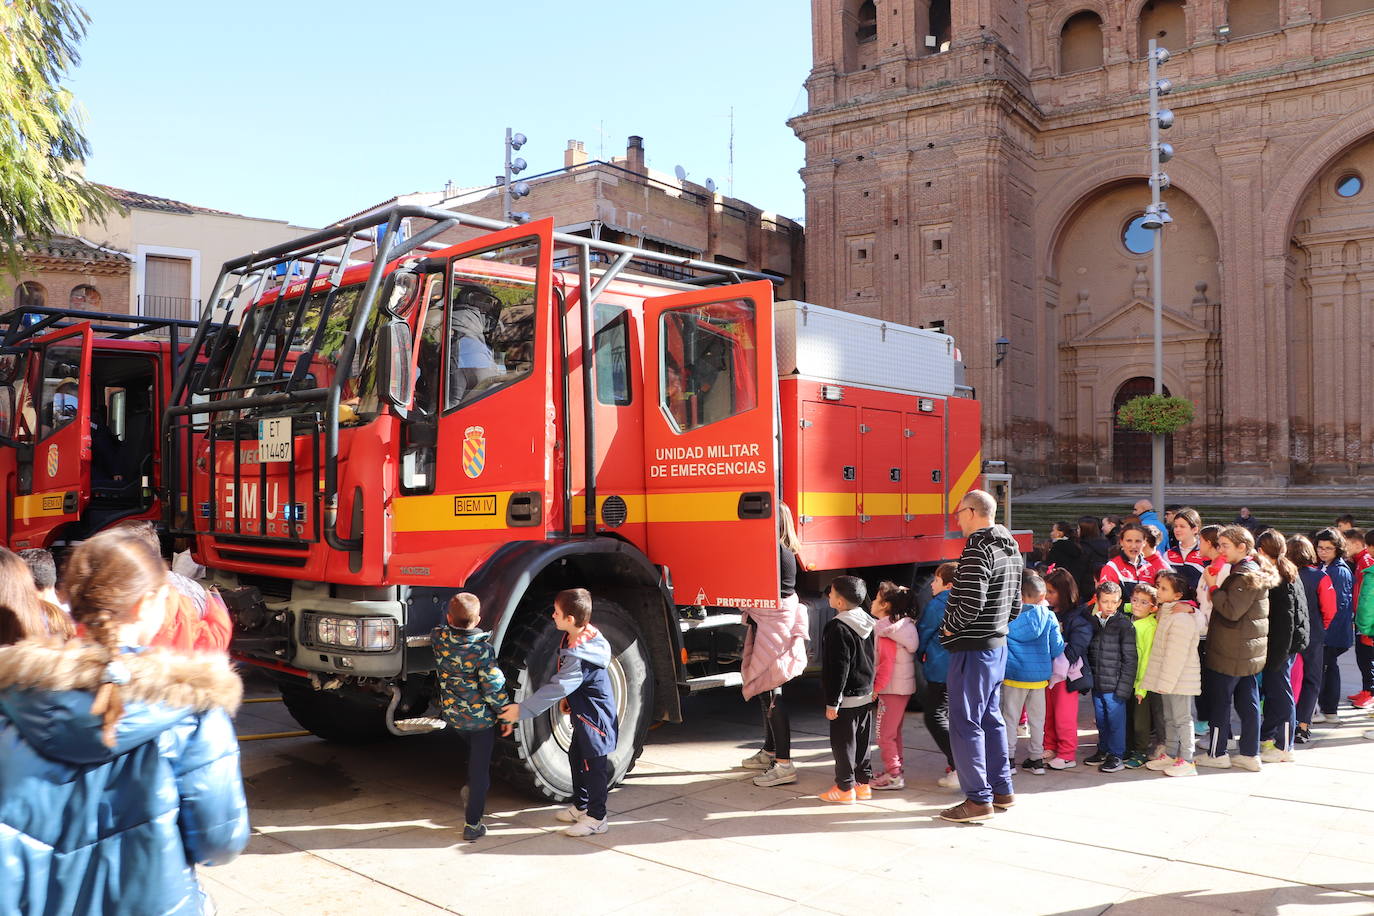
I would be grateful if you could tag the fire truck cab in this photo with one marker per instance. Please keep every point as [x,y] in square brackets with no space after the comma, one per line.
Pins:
[517,414]
[81,400]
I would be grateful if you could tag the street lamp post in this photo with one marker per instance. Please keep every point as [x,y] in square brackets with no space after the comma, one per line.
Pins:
[1156,217]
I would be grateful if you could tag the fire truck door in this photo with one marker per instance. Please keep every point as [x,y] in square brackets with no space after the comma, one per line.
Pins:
[12,383]
[710,465]
[54,468]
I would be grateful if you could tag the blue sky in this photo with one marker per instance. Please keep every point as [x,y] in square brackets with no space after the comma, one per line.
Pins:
[309,112]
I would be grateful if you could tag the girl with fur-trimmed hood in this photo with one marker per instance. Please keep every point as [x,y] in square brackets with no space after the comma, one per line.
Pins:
[119,768]
[1237,647]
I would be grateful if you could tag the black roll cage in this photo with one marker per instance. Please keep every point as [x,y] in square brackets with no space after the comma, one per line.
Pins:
[312,250]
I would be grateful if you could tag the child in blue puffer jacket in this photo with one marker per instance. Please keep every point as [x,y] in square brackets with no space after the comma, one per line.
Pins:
[1033,643]
[472,692]
[935,663]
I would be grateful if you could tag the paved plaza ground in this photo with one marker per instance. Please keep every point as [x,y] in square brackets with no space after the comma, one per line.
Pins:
[377,831]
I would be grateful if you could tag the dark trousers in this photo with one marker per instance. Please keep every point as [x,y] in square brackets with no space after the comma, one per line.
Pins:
[1313,664]
[1243,692]
[1280,719]
[1203,703]
[1109,711]
[480,745]
[1330,697]
[978,736]
[935,710]
[777,730]
[589,777]
[1364,660]
[851,734]
[1146,719]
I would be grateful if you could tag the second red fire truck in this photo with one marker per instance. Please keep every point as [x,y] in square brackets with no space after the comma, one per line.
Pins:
[518,413]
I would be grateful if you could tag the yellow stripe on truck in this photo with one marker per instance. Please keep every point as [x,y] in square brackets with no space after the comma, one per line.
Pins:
[38,505]
[966,479]
[846,505]
[469,512]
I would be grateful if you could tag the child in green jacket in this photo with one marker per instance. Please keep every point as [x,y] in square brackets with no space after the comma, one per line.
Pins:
[1145,713]
[472,691]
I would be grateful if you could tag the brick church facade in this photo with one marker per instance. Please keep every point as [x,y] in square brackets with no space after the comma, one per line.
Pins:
[981,165]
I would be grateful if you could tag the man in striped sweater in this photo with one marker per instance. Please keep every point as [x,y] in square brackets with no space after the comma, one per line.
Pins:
[985,598]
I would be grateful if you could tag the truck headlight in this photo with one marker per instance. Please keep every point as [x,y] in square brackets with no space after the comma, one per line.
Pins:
[367,634]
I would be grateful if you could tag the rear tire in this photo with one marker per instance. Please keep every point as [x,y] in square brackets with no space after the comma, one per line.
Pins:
[334,716]
[535,758]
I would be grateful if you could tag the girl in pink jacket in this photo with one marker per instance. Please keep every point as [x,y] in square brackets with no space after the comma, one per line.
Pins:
[894,680]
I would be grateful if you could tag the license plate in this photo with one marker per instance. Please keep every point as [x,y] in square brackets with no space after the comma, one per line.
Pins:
[274,439]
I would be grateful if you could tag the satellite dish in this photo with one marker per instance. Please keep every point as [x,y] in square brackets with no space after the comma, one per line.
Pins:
[680,172]
[711,185]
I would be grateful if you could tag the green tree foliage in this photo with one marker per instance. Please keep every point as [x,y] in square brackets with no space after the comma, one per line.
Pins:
[41,191]
[1155,413]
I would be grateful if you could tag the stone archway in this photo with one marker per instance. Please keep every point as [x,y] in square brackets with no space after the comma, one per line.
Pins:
[1105,335]
[1133,452]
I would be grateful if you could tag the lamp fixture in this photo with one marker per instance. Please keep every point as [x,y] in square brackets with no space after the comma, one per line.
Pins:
[1002,345]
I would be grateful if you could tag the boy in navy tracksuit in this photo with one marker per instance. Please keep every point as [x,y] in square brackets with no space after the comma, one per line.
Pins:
[583,690]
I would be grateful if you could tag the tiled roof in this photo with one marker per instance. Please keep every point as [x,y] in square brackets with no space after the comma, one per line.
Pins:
[139,201]
[67,248]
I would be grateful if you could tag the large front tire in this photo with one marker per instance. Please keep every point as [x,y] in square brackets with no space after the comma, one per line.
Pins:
[333,716]
[536,757]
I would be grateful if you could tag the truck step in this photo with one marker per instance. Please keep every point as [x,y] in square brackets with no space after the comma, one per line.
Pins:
[712,681]
[421,725]
[713,620]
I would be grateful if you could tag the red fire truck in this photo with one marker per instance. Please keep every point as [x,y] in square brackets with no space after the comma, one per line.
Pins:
[516,414]
[81,398]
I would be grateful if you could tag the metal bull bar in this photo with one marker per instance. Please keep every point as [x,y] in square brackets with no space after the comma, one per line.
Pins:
[313,250]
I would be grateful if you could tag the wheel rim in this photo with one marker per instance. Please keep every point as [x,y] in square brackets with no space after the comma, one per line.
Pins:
[561,724]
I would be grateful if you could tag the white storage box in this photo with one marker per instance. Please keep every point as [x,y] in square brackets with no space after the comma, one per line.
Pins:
[834,346]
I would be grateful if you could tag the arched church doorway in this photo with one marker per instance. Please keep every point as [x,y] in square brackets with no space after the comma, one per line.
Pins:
[1132,456]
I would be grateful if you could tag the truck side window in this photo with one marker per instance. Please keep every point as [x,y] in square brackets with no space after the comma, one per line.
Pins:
[490,342]
[59,397]
[708,364]
[612,340]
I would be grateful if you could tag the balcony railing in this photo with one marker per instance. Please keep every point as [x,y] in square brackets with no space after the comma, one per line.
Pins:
[168,307]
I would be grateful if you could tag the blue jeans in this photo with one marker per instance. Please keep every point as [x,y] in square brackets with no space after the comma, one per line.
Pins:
[1280,715]
[1244,692]
[1110,712]
[978,736]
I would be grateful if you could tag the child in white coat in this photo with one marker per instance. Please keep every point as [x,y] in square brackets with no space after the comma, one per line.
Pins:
[894,681]
[1174,672]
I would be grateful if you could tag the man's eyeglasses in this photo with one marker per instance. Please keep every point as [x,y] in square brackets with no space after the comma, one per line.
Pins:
[962,509]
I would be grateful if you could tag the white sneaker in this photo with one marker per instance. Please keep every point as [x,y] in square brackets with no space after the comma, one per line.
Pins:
[1368,735]
[1207,760]
[1059,763]
[587,827]
[1319,716]
[779,774]
[888,783]
[570,815]
[1181,767]
[1251,764]
[948,781]
[1159,763]
[1023,731]
[1272,754]
[760,761]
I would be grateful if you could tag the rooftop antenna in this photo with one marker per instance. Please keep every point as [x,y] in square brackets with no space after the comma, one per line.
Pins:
[731,182]
[680,172]
[711,185]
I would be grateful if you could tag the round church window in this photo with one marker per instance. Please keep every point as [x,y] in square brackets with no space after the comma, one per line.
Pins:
[1136,238]
[1349,185]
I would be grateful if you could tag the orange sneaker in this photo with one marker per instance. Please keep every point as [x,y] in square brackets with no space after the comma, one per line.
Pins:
[863,792]
[838,796]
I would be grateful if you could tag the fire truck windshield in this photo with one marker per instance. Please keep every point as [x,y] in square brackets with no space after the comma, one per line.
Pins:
[288,338]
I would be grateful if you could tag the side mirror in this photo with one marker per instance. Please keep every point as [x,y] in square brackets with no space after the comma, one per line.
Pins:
[395,381]
[213,373]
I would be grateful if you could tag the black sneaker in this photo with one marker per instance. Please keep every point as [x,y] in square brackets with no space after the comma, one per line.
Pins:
[1033,766]
[1302,736]
[474,831]
[1096,760]
[1113,764]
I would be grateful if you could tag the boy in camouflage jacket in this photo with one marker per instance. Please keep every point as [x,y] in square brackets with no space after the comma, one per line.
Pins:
[472,690]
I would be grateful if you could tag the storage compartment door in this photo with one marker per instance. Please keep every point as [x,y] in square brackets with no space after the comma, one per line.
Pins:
[880,447]
[923,435]
[829,509]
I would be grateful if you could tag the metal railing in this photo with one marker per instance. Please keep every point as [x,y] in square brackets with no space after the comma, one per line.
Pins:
[177,308]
